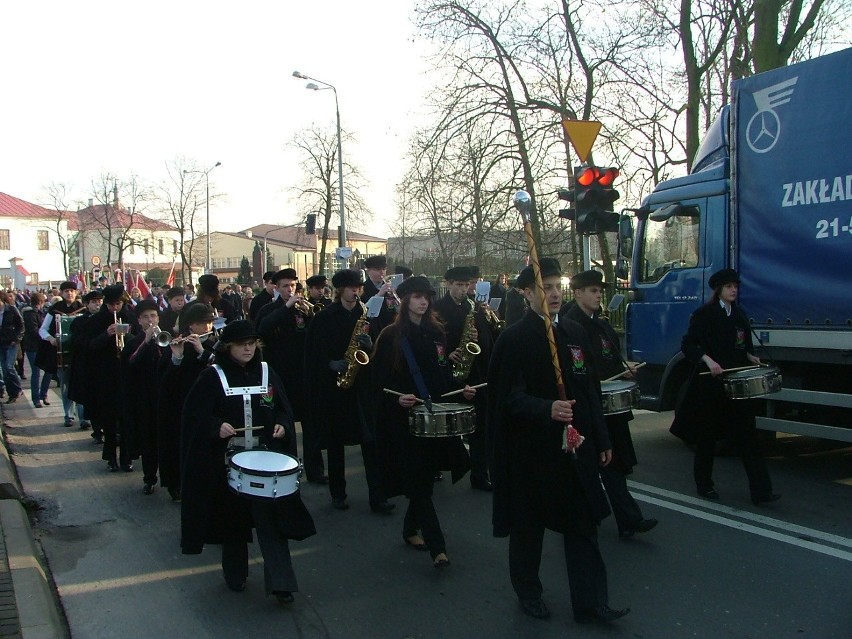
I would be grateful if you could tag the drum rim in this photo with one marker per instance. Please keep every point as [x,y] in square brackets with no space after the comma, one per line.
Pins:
[264,473]
[627,386]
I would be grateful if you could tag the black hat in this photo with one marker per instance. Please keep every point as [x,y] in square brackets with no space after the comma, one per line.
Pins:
[406,272]
[416,284]
[475,273]
[285,274]
[587,278]
[113,293]
[146,305]
[67,285]
[198,312]
[316,280]
[92,295]
[175,292]
[238,331]
[267,277]
[549,266]
[209,284]
[458,274]
[725,276]
[346,277]
[376,261]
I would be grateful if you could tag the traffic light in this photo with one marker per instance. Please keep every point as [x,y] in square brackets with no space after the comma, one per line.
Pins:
[311,224]
[594,198]
[568,196]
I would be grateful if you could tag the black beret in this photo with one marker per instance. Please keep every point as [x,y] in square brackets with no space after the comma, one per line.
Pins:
[416,284]
[406,272]
[587,278]
[316,280]
[209,284]
[198,313]
[67,285]
[113,293]
[346,277]
[238,331]
[285,274]
[175,292]
[146,305]
[267,277]
[549,266]
[376,261]
[725,276]
[92,295]
[458,274]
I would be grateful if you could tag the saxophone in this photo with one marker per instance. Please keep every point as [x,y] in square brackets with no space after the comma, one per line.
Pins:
[354,356]
[461,370]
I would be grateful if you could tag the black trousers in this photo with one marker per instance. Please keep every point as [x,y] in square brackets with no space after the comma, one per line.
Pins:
[743,436]
[421,514]
[149,453]
[624,507]
[311,450]
[583,561]
[278,573]
[337,472]
[109,428]
[478,449]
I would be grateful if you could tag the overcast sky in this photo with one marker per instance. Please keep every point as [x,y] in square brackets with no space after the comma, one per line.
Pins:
[94,86]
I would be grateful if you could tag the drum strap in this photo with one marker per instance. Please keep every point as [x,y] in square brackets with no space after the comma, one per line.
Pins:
[417,375]
[246,392]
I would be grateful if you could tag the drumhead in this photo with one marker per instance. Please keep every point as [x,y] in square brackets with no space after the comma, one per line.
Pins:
[615,386]
[264,462]
[443,408]
[753,373]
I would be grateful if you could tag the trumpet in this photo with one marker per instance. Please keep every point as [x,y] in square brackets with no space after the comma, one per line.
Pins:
[120,331]
[305,306]
[164,338]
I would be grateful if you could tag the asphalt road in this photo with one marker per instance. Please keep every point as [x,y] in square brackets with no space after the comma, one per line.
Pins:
[725,569]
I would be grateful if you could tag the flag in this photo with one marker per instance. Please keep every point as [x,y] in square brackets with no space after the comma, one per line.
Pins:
[129,280]
[142,285]
[170,280]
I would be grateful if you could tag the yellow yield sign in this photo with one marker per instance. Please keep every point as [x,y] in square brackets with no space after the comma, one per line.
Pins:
[582,134]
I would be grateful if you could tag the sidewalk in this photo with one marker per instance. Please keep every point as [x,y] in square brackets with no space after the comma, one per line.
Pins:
[28,607]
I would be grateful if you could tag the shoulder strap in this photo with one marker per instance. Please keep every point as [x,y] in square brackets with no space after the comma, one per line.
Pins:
[416,374]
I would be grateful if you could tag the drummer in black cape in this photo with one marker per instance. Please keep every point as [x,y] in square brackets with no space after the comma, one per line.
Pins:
[718,338]
[537,483]
[409,463]
[342,415]
[210,511]
[587,288]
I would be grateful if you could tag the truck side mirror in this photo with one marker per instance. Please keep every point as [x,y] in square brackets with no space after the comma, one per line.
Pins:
[625,236]
[621,268]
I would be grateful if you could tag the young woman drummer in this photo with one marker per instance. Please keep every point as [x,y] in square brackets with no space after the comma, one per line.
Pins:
[719,338]
[409,463]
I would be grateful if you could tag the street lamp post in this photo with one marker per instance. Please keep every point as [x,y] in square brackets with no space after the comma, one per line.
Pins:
[208,267]
[342,239]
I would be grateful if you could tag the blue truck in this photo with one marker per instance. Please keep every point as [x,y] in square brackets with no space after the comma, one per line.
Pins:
[769,194]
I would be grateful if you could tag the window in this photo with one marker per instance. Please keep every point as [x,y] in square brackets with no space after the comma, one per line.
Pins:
[4,239]
[174,247]
[160,246]
[43,240]
[147,246]
[133,248]
[670,243]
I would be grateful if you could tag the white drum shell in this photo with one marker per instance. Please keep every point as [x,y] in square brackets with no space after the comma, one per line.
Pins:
[619,397]
[447,420]
[263,474]
[754,382]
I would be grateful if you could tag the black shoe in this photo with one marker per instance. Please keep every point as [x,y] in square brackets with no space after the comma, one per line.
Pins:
[69,422]
[483,484]
[600,614]
[441,560]
[382,507]
[44,401]
[339,503]
[127,468]
[112,466]
[85,425]
[236,586]
[439,476]
[643,525]
[535,608]
[283,596]
[417,545]
[98,437]
[318,479]
[12,399]
[148,489]
[708,494]
[174,493]
[765,499]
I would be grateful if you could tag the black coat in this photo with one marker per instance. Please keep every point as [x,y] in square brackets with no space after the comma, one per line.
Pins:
[338,413]
[79,388]
[513,307]
[703,404]
[139,369]
[534,480]
[102,364]
[389,311]
[606,353]
[257,302]
[402,456]
[210,511]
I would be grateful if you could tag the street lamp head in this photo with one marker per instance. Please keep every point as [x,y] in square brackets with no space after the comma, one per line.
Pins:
[301,76]
[312,86]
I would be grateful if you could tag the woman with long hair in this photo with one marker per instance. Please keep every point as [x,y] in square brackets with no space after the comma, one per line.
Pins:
[415,346]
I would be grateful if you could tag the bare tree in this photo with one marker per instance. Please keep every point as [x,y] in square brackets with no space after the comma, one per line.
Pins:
[56,198]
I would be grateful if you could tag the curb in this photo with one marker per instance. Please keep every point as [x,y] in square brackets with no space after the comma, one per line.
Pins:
[38,612]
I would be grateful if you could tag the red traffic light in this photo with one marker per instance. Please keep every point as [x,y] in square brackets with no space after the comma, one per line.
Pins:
[607,176]
[586,176]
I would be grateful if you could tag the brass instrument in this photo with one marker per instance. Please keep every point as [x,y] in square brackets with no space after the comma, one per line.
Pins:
[120,331]
[461,370]
[492,318]
[354,356]
[306,307]
[164,338]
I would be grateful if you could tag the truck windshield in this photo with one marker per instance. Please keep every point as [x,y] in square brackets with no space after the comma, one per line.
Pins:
[669,245]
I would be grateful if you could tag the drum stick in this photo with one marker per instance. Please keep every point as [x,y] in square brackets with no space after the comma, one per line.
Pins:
[398,394]
[624,372]
[461,390]
[731,370]
[242,430]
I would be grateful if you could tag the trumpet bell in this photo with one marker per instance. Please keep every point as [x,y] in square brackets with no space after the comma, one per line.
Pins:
[164,338]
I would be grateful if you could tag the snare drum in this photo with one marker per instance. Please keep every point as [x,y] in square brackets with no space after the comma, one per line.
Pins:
[63,338]
[446,420]
[753,382]
[619,397]
[264,474]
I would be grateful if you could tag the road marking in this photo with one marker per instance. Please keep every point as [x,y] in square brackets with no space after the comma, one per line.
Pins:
[739,525]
